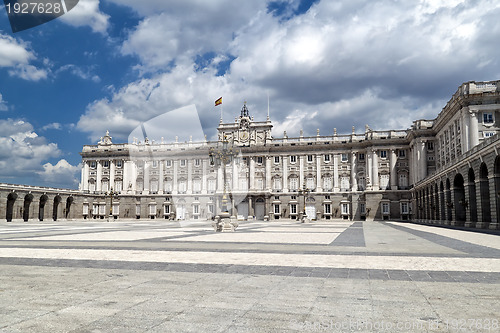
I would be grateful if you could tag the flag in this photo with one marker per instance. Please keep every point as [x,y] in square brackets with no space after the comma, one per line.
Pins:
[218,102]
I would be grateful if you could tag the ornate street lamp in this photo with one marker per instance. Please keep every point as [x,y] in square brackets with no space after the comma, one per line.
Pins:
[305,192]
[220,157]
[111,193]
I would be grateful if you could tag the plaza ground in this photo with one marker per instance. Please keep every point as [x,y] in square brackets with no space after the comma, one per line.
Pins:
[281,276]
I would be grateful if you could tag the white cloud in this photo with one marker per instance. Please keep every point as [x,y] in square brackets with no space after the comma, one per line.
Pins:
[3,104]
[79,72]
[60,174]
[348,63]
[22,152]
[14,54]
[87,12]
[52,126]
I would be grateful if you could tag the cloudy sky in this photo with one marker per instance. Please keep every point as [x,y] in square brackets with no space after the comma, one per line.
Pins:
[113,64]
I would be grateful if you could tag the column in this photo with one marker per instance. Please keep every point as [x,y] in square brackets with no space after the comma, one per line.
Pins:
[99,176]
[268,173]
[112,168]
[85,176]
[318,173]
[235,175]
[190,176]
[394,175]
[354,182]
[252,174]
[422,165]
[301,171]
[220,178]
[465,129]
[174,180]
[146,177]
[474,129]
[285,173]
[375,181]
[161,177]
[204,177]
[369,171]
[336,187]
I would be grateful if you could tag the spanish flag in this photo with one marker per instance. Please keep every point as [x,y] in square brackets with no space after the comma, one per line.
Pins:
[218,102]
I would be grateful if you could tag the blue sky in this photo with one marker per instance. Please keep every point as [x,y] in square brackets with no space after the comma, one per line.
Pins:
[113,64]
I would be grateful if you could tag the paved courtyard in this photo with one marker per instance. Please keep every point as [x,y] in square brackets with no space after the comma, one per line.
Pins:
[282,276]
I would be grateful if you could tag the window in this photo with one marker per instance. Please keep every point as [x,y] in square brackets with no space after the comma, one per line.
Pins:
[197,162]
[95,209]
[361,156]
[344,157]
[154,186]
[293,209]
[211,209]
[196,209]
[183,163]
[309,158]
[327,158]
[385,208]
[138,209]
[276,159]
[293,159]
[211,185]
[362,208]
[104,185]
[310,183]
[152,209]
[182,186]
[259,160]
[197,185]
[327,183]
[344,208]
[404,208]
[93,164]
[327,197]
[487,117]
[488,134]
[243,184]
[106,164]
[430,145]
[168,163]
[403,180]
[293,197]
[402,153]
[344,183]
[260,183]
[294,183]
[277,183]
[118,186]
[383,154]
[328,208]
[119,163]
[384,182]
[85,208]
[139,185]
[361,183]
[166,210]
[167,186]
[276,209]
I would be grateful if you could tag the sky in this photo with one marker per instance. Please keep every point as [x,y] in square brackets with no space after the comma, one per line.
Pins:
[325,64]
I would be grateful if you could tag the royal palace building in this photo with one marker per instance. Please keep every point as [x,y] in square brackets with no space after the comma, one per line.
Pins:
[444,171]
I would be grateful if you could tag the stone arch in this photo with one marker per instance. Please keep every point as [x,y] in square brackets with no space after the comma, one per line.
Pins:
[496,174]
[55,206]
[437,202]
[28,199]
[11,199]
[69,202]
[442,201]
[472,195]
[449,203]
[459,199]
[41,207]
[484,190]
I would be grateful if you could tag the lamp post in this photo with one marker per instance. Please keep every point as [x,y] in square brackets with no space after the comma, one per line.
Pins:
[220,157]
[111,193]
[305,192]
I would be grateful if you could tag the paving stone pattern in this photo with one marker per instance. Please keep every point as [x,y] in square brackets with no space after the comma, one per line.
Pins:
[157,276]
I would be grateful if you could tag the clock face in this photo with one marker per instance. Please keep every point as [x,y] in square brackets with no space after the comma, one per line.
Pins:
[243,136]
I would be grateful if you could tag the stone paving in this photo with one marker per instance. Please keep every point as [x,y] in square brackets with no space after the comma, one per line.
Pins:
[281,276]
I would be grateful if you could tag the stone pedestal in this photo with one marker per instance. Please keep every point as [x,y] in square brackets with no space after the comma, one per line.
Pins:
[223,223]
